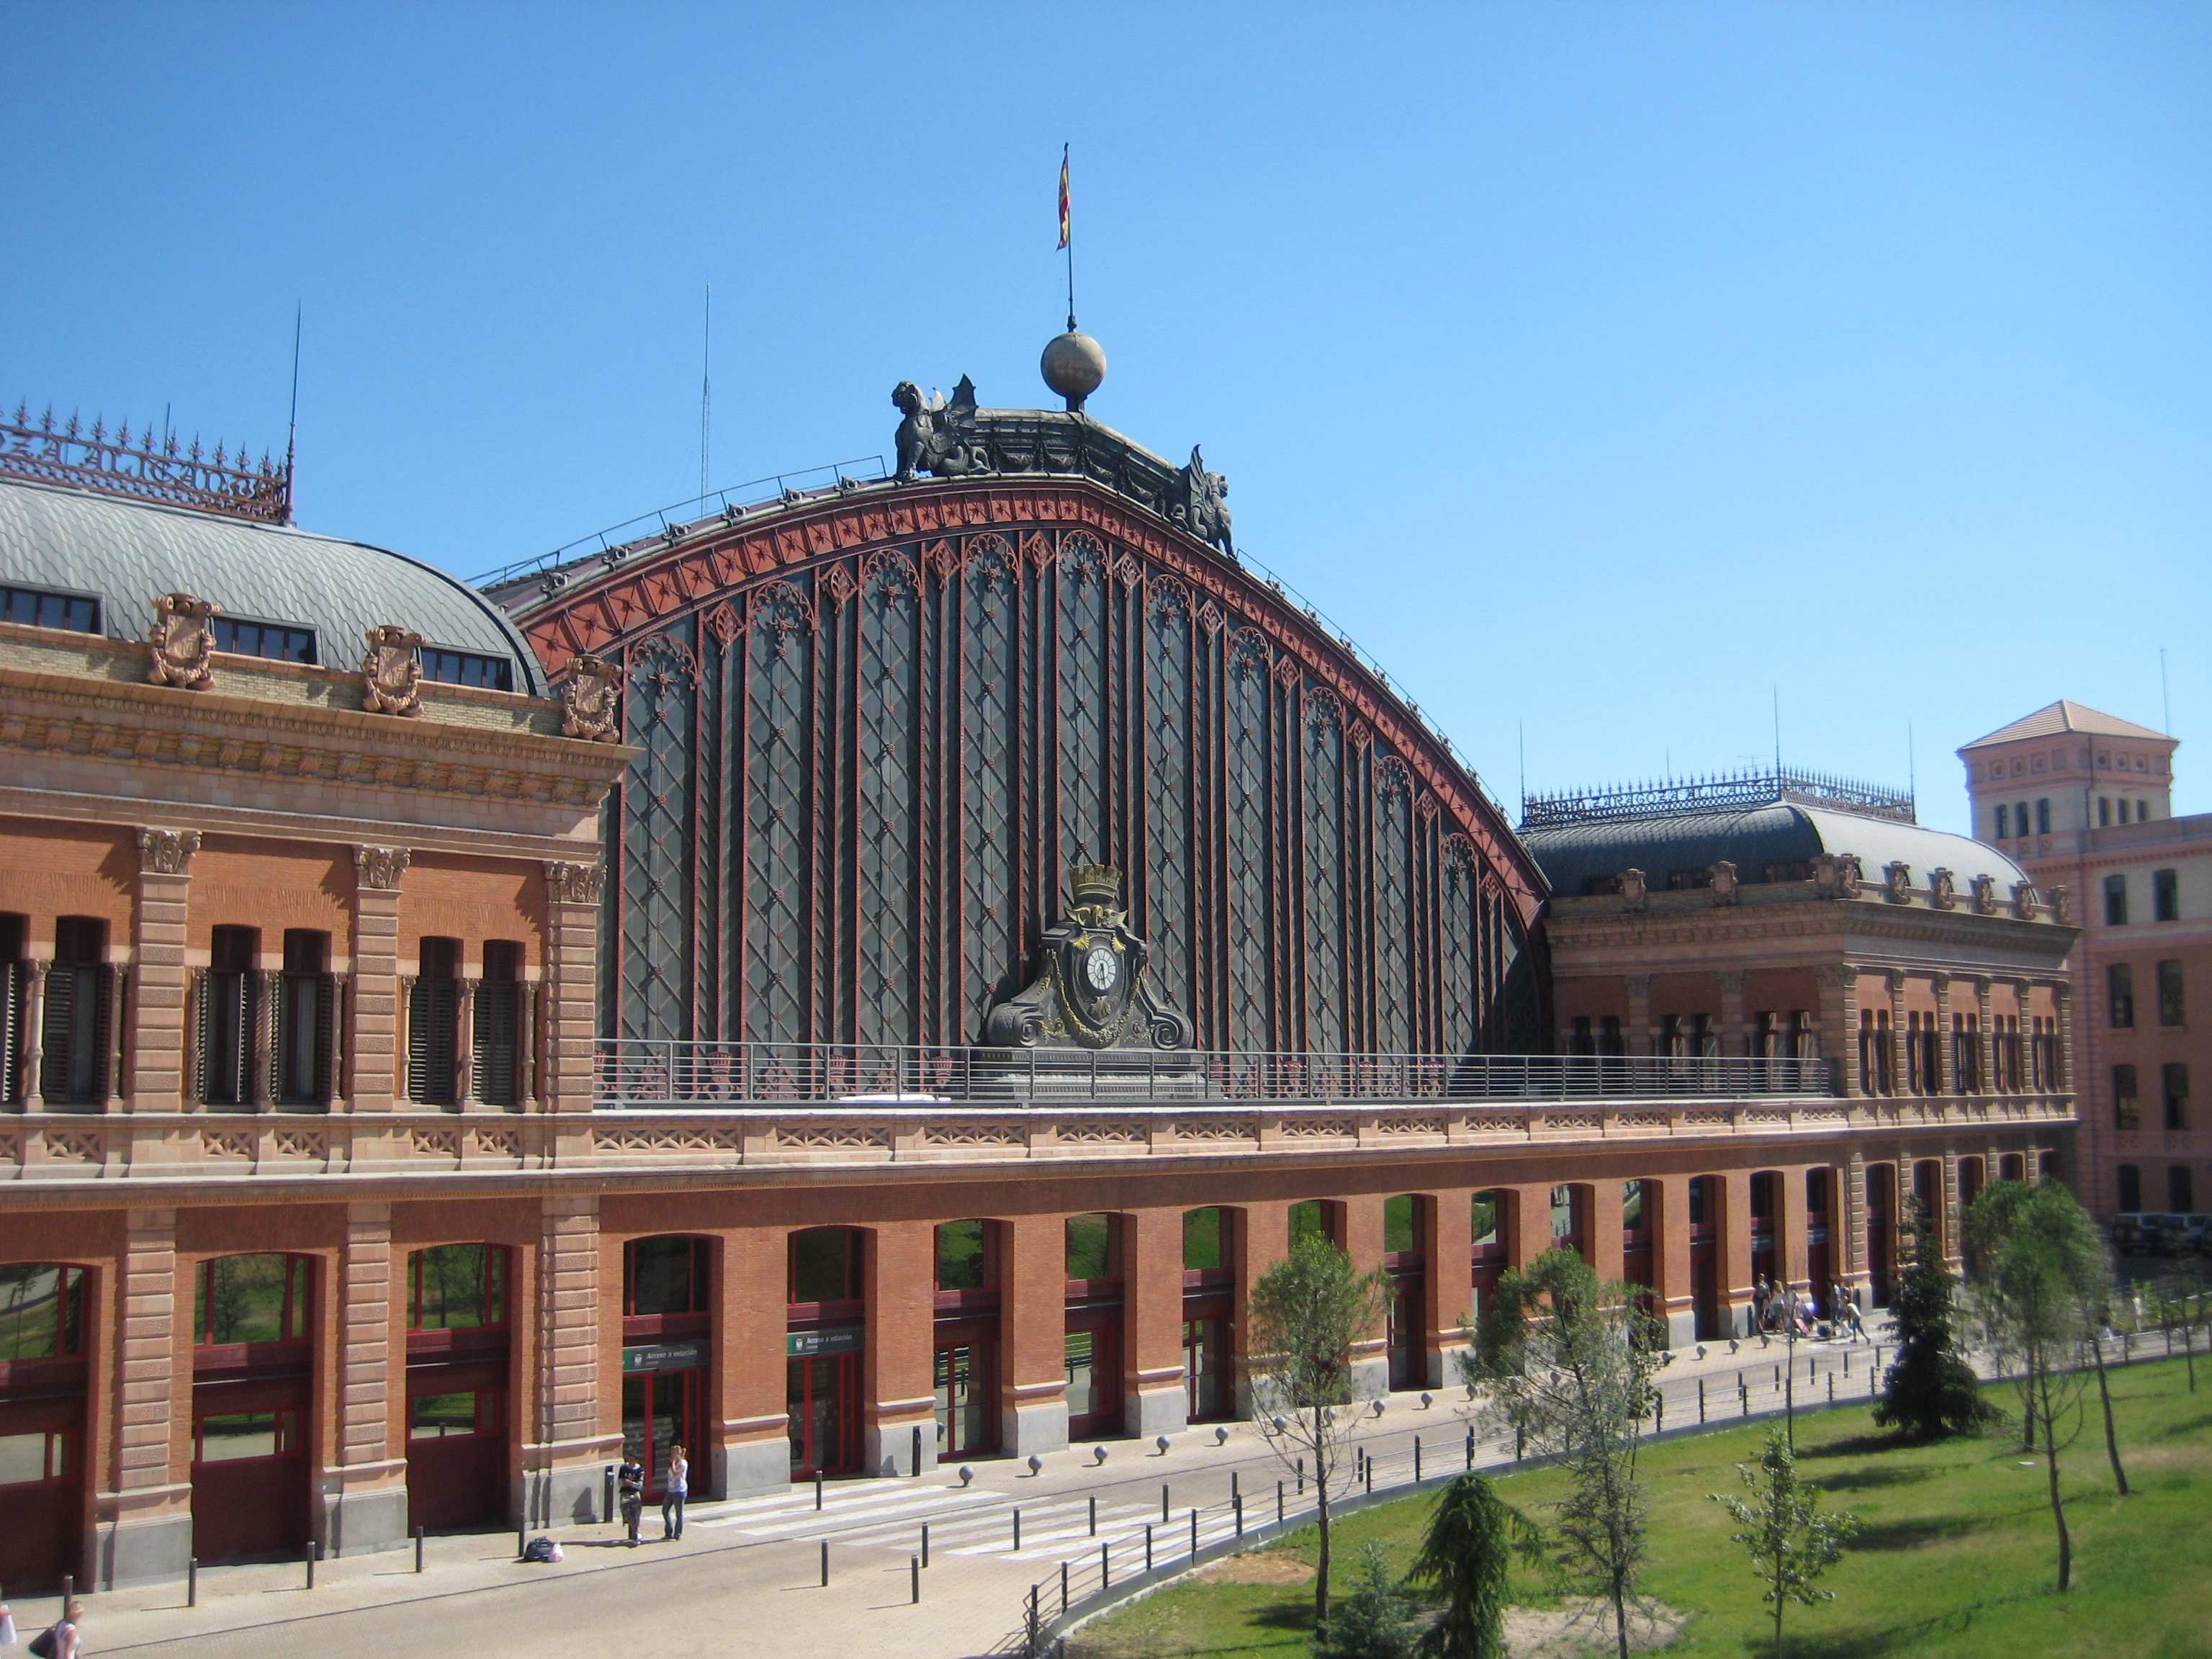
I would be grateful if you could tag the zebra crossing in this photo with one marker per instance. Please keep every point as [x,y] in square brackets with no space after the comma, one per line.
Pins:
[963,1522]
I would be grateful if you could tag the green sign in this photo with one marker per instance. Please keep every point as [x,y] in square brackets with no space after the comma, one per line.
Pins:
[838,1339]
[664,1357]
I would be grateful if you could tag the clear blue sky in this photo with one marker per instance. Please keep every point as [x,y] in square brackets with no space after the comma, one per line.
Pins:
[1597,367]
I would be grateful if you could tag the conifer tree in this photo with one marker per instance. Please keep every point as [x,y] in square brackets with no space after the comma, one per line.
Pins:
[1466,1555]
[1929,1391]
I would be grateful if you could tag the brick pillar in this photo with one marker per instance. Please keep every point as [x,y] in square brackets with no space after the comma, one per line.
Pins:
[1852,1240]
[1155,1399]
[572,895]
[1947,1070]
[1447,1255]
[751,1431]
[565,1450]
[1363,1243]
[1639,1014]
[362,1491]
[1899,1074]
[1607,1254]
[1529,1230]
[1839,1025]
[1263,1238]
[1794,1270]
[898,1395]
[1033,1334]
[1953,1212]
[1983,1002]
[156,1043]
[1672,1293]
[1736,1030]
[1734,1247]
[378,1033]
[144,1516]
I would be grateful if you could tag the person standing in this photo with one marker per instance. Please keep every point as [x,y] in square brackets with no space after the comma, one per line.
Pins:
[672,1494]
[630,1483]
[62,1639]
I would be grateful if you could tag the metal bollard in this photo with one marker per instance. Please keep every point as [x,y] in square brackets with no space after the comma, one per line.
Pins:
[925,1543]
[1658,1413]
[1367,1470]
[1470,1449]
[1239,1500]
[1701,1400]
[1063,1589]
[1832,1388]
[914,1575]
[1519,1440]
[917,1452]
[1416,1459]
[69,1590]
[1164,1516]
[1017,1529]
[309,1553]
[418,1549]
[1743,1399]
[1105,1566]
[1148,1546]
[521,1540]
[192,1582]
[1847,1362]
[1094,1517]
[1279,1503]
[825,1564]
[607,1496]
[1194,1535]
[817,1489]
[1235,1486]
[1302,1477]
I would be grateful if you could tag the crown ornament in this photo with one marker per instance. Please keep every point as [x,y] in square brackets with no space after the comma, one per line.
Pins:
[1094,886]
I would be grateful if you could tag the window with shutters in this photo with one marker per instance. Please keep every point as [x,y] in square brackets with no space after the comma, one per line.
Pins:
[2120,988]
[15,999]
[2126,1114]
[2166,895]
[2173,1087]
[498,1024]
[2173,1009]
[229,1002]
[434,1026]
[76,1028]
[1966,1054]
[305,1012]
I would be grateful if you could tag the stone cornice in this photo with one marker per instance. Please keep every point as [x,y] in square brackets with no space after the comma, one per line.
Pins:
[1601,928]
[208,733]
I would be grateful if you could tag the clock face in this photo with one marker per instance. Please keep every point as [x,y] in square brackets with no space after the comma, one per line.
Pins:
[1101,968]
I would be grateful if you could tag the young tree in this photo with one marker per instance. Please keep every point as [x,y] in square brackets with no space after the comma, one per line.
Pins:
[1568,1360]
[1790,1542]
[1306,1310]
[2082,1260]
[1466,1554]
[2032,1307]
[1931,1391]
[1372,1622]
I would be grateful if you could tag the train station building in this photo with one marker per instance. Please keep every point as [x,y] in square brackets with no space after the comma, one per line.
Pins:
[856,980]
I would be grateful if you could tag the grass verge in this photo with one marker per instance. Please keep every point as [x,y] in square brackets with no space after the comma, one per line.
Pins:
[1957,1556]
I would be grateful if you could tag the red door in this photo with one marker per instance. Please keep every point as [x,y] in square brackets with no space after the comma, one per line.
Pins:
[41,1486]
[457,1462]
[249,1468]
[1094,1371]
[822,1397]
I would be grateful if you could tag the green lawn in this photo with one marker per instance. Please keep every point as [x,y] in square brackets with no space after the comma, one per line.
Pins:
[1957,1555]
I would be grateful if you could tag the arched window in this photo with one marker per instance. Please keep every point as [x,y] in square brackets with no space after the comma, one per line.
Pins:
[454,1287]
[251,1298]
[41,1311]
[664,1275]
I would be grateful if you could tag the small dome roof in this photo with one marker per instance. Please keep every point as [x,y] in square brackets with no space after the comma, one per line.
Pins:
[1575,855]
[129,552]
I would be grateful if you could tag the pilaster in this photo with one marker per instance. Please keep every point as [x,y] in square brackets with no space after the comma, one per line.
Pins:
[1263,1238]
[1672,1292]
[564,1448]
[144,1516]
[1900,1073]
[1033,1334]
[896,1375]
[572,897]
[156,1043]
[376,1017]
[1155,1399]
[1839,985]
[1947,1068]
[363,1489]
[1640,1034]
[1363,1243]
[1796,1268]
[1983,1003]
[1735,1030]
[1447,1255]
[1735,1246]
[751,1430]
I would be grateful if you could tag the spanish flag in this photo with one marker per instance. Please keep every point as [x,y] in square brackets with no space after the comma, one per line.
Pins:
[1063,195]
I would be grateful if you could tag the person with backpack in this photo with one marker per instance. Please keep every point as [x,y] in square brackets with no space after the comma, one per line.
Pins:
[672,1494]
[630,1483]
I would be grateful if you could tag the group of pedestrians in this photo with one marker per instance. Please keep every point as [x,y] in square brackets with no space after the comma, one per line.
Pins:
[1779,1309]
[62,1639]
[629,1482]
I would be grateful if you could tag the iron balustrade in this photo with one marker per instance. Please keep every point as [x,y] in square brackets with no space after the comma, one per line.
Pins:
[652,1072]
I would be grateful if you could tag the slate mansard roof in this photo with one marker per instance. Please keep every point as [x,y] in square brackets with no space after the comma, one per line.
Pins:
[1575,857]
[127,552]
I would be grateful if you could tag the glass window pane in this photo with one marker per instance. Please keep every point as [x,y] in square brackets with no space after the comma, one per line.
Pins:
[1082,1373]
[960,1263]
[455,1287]
[822,1265]
[24,1457]
[242,1298]
[1090,1247]
[1201,1241]
[1482,1216]
[41,1311]
[435,1416]
[661,1277]
[241,1434]
[1398,1230]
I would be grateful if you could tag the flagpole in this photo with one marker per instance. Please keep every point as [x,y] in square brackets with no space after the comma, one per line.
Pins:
[1071,248]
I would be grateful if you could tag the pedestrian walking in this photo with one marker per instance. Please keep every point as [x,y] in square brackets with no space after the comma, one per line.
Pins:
[1760,1295]
[62,1639]
[672,1494]
[630,1483]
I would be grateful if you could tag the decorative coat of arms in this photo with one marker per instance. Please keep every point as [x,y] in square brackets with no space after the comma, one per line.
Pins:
[392,672]
[590,700]
[183,639]
[1091,990]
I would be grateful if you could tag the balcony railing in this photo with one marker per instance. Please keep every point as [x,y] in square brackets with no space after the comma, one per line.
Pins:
[643,1072]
